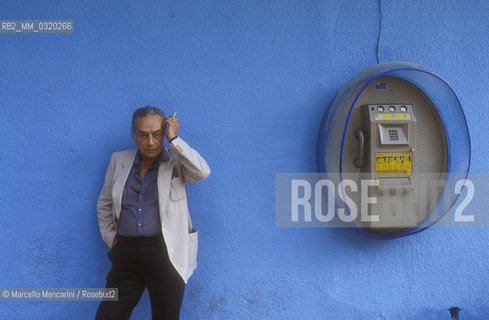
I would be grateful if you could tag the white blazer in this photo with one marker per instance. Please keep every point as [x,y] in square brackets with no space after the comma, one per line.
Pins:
[179,234]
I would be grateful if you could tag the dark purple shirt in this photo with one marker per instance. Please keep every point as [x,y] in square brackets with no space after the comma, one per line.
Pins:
[139,209]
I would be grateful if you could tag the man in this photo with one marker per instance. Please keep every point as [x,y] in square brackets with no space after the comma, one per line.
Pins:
[143,218]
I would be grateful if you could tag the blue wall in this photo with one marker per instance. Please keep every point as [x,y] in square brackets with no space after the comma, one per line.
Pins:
[250,82]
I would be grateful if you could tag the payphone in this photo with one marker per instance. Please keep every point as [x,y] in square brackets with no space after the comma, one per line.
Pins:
[386,154]
[395,125]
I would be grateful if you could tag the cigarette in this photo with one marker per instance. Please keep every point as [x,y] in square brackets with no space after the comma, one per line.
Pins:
[174,114]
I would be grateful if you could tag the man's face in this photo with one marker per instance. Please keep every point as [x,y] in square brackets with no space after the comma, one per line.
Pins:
[148,135]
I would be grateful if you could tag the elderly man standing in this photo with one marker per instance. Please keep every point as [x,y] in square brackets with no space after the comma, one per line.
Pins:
[143,218]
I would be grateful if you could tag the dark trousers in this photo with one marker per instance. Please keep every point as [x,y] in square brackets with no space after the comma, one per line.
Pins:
[139,263]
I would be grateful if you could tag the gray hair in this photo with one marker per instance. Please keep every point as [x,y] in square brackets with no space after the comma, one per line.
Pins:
[143,112]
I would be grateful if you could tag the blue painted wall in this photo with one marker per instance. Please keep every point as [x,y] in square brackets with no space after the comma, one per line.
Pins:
[250,82]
